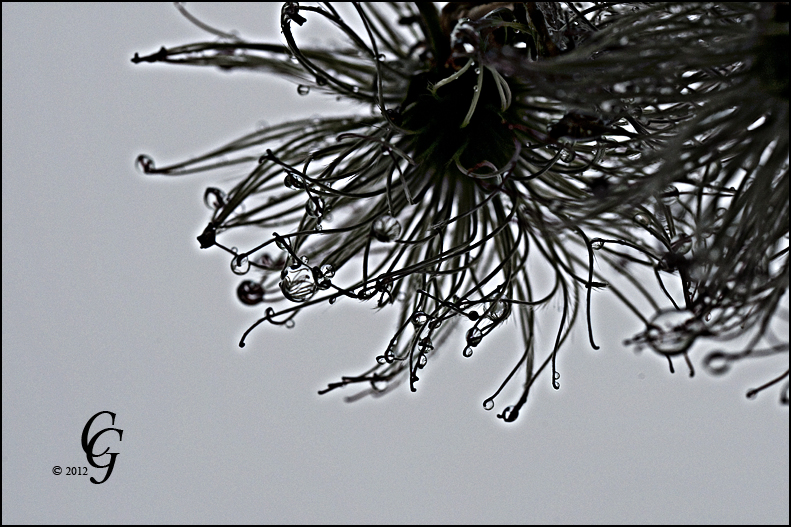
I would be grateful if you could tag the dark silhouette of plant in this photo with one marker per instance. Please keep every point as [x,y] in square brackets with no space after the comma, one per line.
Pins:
[519,154]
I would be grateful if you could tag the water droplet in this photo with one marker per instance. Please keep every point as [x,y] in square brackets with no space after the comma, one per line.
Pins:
[425,344]
[321,81]
[467,352]
[567,155]
[240,264]
[389,355]
[214,198]
[475,88]
[488,404]
[672,331]
[422,360]
[473,315]
[498,310]
[477,71]
[303,89]
[298,285]
[315,207]
[290,324]
[379,385]
[294,181]
[355,89]
[386,228]
[381,359]
[642,219]
[144,164]
[250,293]
[474,336]
[419,319]
[327,271]
[597,243]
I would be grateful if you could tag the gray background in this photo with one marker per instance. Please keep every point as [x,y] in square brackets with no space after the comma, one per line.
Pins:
[108,304]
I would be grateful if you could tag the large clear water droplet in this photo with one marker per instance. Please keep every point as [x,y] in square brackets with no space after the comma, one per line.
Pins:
[672,331]
[597,243]
[467,352]
[474,336]
[315,207]
[488,404]
[240,264]
[498,310]
[298,285]
[294,181]
[386,228]
[303,89]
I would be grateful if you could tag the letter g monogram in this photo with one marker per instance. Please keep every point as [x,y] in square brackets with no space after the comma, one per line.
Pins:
[87,446]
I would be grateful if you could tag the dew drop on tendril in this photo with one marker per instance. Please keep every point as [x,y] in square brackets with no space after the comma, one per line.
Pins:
[294,181]
[240,264]
[488,404]
[567,155]
[303,89]
[386,229]
[144,164]
[389,355]
[467,352]
[597,243]
[422,360]
[315,207]
[419,319]
[214,198]
[474,336]
[298,285]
